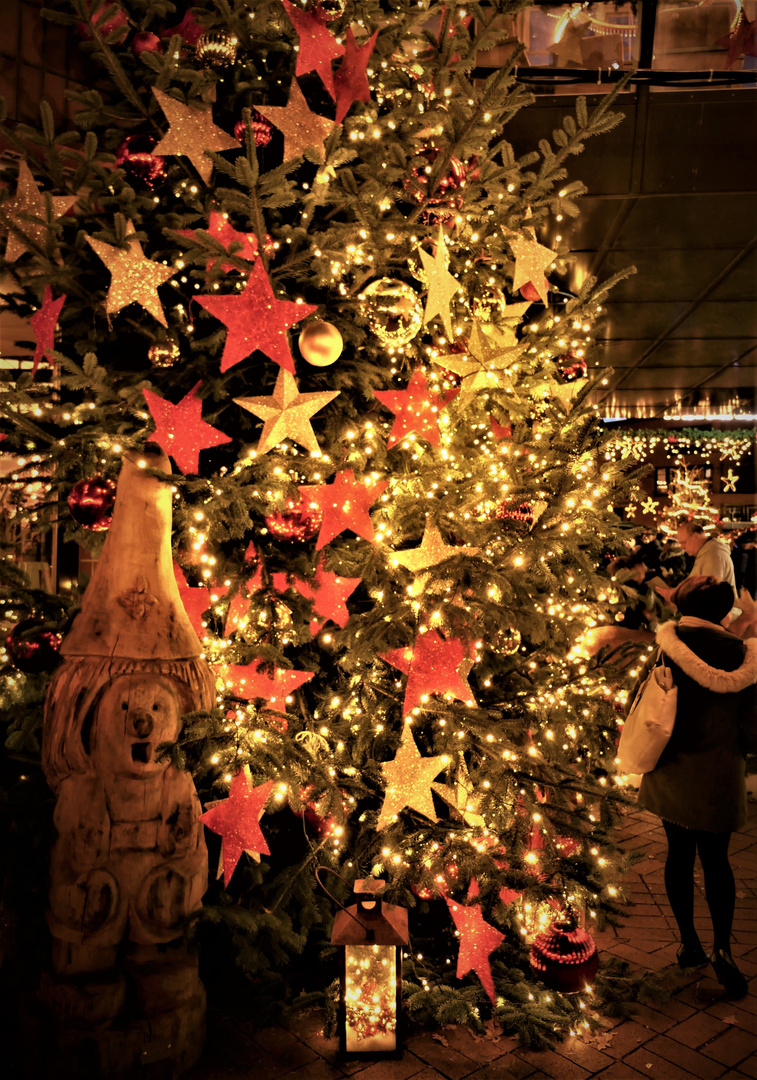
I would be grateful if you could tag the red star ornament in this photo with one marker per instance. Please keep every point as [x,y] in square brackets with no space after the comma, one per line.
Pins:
[415,409]
[318,46]
[344,504]
[249,682]
[329,593]
[741,41]
[351,81]
[237,615]
[195,600]
[237,819]
[478,940]
[256,320]
[180,429]
[43,324]
[220,229]
[433,666]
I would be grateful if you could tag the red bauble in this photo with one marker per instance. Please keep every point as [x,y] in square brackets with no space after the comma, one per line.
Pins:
[261,129]
[144,41]
[91,503]
[564,957]
[529,292]
[116,21]
[511,511]
[572,368]
[298,522]
[32,647]
[134,155]
[446,185]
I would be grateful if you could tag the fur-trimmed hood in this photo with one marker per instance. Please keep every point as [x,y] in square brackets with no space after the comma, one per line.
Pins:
[722,682]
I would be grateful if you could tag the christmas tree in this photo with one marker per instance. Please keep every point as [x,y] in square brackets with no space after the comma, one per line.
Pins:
[293,245]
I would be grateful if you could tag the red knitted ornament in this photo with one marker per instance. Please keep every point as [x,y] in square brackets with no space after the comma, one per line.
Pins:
[564,957]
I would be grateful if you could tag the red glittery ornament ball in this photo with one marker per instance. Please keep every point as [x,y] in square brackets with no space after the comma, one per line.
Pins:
[564,957]
[105,26]
[145,42]
[298,522]
[134,155]
[91,503]
[260,127]
[529,292]
[33,647]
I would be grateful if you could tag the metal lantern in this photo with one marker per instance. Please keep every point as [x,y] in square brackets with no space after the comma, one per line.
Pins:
[371,934]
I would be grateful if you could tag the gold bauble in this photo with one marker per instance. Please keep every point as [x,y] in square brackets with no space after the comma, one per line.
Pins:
[163,354]
[321,343]
[507,642]
[216,49]
[394,311]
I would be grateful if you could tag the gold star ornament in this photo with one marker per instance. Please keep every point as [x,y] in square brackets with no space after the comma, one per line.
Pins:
[30,200]
[301,128]
[531,262]
[134,279]
[408,781]
[485,364]
[431,552]
[462,797]
[442,286]
[191,132]
[286,413]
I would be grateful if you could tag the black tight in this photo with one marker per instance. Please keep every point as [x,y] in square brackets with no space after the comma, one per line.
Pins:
[719,886]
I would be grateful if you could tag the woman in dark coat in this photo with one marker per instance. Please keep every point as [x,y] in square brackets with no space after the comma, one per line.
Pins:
[698,786]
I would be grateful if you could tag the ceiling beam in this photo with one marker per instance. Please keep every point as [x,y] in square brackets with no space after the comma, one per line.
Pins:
[708,378]
[690,308]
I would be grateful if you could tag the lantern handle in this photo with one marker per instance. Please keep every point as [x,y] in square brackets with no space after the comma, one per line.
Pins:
[369,931]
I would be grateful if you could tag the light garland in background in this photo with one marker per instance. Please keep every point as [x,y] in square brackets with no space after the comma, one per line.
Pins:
[729,445]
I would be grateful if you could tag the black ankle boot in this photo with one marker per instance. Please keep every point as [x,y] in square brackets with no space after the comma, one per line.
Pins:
[729,975]
[690,956]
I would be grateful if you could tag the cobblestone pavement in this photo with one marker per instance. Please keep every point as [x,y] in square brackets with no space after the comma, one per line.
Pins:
[696,1035]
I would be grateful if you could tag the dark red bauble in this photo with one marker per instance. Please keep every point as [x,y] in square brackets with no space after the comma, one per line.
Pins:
[261,128]
[528,291]
[573,368]
[296,523]
[564,957]
[446,185]
[331,9]
[91,503]
[116,21]
[33,647]
[144,41]
[134,155]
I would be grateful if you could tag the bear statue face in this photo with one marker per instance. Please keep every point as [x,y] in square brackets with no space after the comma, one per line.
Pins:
[135,715]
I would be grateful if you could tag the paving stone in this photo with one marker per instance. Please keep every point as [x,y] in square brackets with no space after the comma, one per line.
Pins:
[732,1014]
[688,1059]
[314,1070]
[478,1049]
[640,958]
[445,1058]
[651,1018]
[697,1030]
[508,1067]
[555,1065]
[585,1055]
[733,1046]
[649,1064]
[408,1065]
[621,1071]
[627,1037]
[748,1067]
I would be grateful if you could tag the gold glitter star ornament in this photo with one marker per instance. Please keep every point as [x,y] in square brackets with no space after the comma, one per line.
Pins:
[301,128]
[531,262]
[408,781]
[191,132]
[286,413]
[134,279]
[30,200]
[442,286]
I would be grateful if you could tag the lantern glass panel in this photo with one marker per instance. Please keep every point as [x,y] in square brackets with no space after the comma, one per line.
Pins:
[371,998]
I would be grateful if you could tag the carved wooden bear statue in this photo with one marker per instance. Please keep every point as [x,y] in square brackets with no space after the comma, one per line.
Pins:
[129,863]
